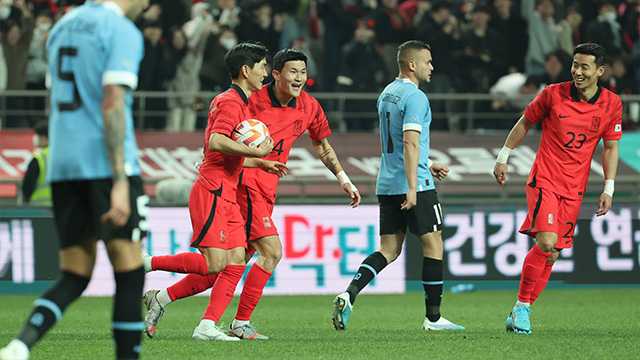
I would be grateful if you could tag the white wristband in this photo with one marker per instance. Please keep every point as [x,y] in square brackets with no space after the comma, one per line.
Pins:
[503,155]
[608,187]
[343,178]
[429,163]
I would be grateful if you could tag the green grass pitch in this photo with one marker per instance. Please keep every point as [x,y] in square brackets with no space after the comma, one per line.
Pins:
[568,324]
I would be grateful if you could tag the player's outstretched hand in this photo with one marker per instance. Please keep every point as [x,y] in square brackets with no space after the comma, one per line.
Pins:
[410,201]
[118,214]
[604,204]
[353,193]
[500,173]
[439,171]
[264,148]
[274,167]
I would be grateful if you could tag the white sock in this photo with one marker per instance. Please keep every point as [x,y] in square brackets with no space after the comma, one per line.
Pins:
[238,323]
[207,323]
[163,297]
[146,261]
[520,303]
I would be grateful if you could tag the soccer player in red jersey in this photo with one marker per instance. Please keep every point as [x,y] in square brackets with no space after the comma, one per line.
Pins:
[288,111]
[575,115]
[218,224]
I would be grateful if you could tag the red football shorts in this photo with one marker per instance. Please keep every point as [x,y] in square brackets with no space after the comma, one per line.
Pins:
[549,212]
[256,210]
[216,222]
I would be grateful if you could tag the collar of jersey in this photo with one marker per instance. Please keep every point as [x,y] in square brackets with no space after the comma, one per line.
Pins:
[113,7]
[274,100]
[241,93]
[405,80]
[576,97]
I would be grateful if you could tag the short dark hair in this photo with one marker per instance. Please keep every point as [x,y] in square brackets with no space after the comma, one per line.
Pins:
[244,53]
[409,46]
[592,49]
[41,128]
[284,55]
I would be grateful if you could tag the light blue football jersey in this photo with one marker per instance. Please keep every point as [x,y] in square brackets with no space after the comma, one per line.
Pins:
[92,46]
[402,106]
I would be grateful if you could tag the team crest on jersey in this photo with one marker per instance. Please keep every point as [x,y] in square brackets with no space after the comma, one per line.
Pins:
[617,128]
[297,127]
[550,218]
[221,235]
[595,123]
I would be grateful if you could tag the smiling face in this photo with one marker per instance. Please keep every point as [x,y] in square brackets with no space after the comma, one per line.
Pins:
[291,79]
[585,71]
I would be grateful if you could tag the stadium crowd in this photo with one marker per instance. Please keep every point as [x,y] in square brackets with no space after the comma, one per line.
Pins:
[495,46]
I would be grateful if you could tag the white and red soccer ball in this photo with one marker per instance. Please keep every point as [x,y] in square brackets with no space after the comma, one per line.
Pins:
[251,132]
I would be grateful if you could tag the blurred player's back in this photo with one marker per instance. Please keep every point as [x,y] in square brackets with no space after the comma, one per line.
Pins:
[85,51]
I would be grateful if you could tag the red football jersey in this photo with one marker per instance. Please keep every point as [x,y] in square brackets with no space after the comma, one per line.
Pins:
[571,130]
[286,124]
[219,171]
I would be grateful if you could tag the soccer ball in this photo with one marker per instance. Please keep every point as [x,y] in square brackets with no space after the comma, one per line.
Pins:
[251,132]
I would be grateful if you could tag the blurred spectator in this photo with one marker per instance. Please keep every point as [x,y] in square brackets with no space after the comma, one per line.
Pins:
[557,68]
[513,30]
[362,70]
[605,30]
[440,30]
[339,20]
[569,35]
[174,14]
[182,113]
[153,75]
[513,92]
[227,13]
[391,30]
[213,73]
[35,189]
[480,58]
[629,21]
[262,26]
[543,33]
[616,78]
[37,63]
[173,191]
[15,46]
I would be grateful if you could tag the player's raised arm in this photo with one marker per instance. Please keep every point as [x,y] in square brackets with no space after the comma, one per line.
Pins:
[114,130]
[328,156]
[610,165]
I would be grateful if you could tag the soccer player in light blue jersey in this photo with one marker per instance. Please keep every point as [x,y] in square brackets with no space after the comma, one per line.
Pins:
[94,53]
[405,187]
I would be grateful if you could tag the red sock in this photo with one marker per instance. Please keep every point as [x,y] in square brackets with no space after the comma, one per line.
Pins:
[542,282]
[252,291]
[222,291]
[184,263]
[531,270]
[191,284]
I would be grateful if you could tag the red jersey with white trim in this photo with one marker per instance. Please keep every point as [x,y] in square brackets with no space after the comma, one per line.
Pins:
[286,124]
[219,171]
[571,130]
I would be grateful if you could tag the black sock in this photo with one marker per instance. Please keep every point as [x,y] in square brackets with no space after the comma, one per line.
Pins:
[432,283]
[369,269]
[50,306]
[127,313]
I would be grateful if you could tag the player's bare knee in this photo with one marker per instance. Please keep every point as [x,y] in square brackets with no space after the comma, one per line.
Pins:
[391,254]
[555,254]
[216,266]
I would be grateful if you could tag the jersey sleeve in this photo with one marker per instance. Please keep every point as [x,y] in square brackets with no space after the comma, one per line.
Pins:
[126,48]
[224,116]
[614,130]
[539,107]
[415,111]
[319,125]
